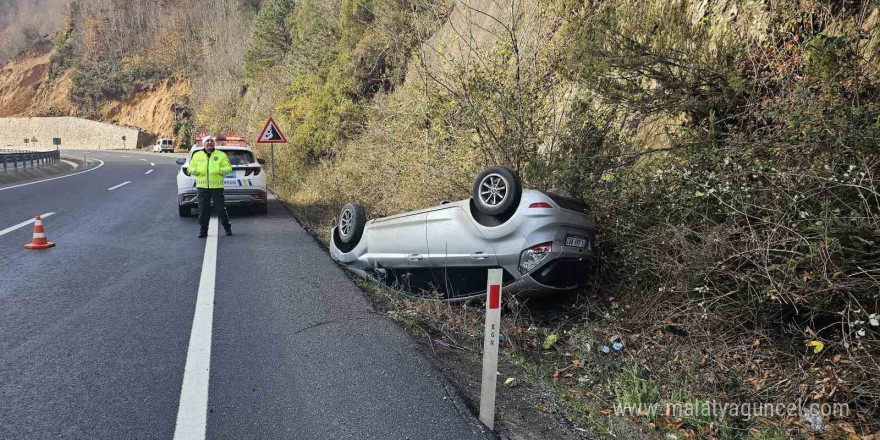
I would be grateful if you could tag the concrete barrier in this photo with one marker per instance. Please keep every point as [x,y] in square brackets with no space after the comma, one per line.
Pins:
[74,133]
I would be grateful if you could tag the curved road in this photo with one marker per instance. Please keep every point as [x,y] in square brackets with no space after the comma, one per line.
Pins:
[95,333]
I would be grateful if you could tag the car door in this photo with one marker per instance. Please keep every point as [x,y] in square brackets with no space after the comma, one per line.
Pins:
[398,242]
[459,254]
[454,241]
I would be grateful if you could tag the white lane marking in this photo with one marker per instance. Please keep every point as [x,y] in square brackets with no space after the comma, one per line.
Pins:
[118,186]
[192,413]
[149,171]
[144,160]
[55,178]
[152,164]
[125,156]
[23,224]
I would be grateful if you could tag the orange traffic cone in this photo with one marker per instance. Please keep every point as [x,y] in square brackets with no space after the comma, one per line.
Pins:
[39,241]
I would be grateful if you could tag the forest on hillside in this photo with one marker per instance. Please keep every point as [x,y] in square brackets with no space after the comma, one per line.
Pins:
[24,22]
[730,150]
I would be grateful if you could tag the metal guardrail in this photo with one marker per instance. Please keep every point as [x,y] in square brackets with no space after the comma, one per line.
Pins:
[14,159]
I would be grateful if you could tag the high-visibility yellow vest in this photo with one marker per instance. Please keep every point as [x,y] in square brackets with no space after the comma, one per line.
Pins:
[209,170]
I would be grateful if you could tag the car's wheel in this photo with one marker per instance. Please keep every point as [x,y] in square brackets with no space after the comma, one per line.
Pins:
[351,223]
[497,191]
[184,210]
[261,209]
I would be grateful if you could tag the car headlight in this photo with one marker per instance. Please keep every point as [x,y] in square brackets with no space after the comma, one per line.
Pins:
[533,256]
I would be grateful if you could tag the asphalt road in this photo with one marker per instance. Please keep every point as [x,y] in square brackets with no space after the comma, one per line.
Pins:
[95,334]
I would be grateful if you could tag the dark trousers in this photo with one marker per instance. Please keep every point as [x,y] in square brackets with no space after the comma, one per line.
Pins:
[205,197]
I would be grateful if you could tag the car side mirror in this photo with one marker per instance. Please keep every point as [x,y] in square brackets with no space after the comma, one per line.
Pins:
[261,161]
[180,161]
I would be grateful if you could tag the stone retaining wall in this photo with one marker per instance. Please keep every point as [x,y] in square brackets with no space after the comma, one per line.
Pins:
[75,134]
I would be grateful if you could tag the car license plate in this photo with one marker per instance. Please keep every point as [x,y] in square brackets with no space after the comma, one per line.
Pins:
[578,242]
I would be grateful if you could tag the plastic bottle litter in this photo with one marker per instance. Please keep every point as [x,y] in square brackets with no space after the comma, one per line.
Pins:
[605,349]
[617,346]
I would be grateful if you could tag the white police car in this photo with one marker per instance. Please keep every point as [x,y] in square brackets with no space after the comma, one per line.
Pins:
[244,186]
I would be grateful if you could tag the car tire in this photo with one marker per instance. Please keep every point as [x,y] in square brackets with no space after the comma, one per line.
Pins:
[351,223]
[184,210]
[497,191]
[261,209]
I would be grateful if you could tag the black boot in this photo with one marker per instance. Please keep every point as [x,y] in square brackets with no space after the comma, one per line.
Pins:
[228,230]
[203,233]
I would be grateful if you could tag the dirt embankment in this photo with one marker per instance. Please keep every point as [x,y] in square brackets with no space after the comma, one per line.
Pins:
[26,90]
[149,110]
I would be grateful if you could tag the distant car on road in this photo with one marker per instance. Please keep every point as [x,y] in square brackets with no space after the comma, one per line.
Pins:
[542,241]
[244,186]
[163,146]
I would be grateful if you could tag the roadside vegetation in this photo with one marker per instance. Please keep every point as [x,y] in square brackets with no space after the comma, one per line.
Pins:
[729,151]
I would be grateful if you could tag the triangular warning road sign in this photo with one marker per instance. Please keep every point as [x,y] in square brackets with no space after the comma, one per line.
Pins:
[271,134]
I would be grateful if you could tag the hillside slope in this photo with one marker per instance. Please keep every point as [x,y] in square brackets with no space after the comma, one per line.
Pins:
[25,89]
[729,148]
[130,63]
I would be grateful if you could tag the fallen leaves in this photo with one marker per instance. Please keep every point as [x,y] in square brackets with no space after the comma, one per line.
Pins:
[758,382]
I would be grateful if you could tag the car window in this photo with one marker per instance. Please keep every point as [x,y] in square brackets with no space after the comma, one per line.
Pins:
[236,157]
[239,157]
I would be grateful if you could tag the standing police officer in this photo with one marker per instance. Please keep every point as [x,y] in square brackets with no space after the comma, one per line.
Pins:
[209,166]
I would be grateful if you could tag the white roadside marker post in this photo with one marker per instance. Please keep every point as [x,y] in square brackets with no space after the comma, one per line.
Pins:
[490,348]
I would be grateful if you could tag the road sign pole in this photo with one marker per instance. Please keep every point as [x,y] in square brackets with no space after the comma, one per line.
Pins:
[272,158]
[490,348]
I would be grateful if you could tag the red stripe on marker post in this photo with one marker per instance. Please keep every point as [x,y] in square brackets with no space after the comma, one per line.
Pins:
[494,296]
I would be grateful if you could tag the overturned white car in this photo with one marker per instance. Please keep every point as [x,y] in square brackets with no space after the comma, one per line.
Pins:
[543,241]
